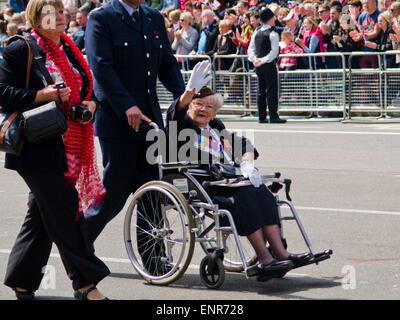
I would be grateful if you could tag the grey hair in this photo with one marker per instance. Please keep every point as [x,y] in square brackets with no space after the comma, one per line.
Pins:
[218,101]
[208,12]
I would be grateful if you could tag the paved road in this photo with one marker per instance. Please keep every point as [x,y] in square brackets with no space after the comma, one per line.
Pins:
[346,185]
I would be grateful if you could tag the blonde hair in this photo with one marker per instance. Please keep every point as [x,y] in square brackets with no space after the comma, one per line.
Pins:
[387,18]
[187,16]
[35,8]
[313,21]
[225,23]
[174,15]
[287,35]
[396,9]
[12,28]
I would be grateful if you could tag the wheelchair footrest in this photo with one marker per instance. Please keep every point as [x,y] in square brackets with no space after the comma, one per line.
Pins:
[318,257]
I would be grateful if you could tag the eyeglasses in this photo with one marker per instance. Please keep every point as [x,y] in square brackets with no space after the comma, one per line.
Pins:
[199,105]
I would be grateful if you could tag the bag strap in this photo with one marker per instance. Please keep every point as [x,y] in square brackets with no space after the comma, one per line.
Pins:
[38,59]
[30,56]
[6,125]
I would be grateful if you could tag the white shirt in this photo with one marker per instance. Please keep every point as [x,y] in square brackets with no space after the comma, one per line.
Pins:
[271,56]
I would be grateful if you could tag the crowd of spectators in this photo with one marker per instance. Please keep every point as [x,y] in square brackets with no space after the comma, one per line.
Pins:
[220,27]
[308,26]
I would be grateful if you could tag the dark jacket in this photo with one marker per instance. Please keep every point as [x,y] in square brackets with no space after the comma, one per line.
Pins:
[126,63]
[228,48]
[44,157]
[183,121]
[212,33]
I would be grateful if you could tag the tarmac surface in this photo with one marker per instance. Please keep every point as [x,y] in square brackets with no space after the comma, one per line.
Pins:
[346,187]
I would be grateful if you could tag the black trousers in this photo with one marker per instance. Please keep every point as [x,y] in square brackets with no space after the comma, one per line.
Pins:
[125,170]
[267,91]
[51,218]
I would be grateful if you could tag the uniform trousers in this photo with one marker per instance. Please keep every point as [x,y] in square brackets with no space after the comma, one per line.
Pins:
[267,91]
[51,218]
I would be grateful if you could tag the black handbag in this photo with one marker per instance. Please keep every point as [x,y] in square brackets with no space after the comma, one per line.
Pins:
[11,132]
[44,123]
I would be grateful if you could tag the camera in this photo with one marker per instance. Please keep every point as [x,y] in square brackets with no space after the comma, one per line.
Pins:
[60,85]
[80,112]
[228,34]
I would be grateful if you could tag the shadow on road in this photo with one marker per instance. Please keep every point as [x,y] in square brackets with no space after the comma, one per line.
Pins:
[290,287]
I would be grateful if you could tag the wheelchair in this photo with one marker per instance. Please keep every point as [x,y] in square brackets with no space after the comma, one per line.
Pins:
[167,217]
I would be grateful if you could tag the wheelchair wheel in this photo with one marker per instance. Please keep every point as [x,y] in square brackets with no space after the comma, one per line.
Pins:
[232,260]
[158,233]
[212,272]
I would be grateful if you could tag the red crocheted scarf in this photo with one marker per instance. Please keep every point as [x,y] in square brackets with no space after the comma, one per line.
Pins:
[79,138]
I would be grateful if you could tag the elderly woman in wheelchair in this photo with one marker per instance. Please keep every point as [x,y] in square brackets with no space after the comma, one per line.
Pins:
[223,193]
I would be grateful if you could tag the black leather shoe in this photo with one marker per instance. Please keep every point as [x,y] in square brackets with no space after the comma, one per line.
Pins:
[277,120]
[83,296]
[262,121]
[24,295]
[275,269]
[300,259]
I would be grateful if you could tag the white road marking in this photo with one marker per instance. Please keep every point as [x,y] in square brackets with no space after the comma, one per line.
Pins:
[317,132]
[377,212]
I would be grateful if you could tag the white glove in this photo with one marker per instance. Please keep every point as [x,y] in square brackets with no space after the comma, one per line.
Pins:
[248,171]
[200,76]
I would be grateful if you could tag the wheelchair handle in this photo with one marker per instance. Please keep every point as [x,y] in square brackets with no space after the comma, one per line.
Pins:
[147,125]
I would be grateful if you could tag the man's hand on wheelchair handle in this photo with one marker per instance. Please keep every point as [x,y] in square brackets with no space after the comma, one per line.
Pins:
[135,116]
[249,171]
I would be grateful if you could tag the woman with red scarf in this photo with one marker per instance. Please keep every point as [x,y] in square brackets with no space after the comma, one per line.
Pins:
[312,41]
[61,173]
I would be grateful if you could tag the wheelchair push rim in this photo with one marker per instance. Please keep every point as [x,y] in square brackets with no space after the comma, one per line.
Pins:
[158,233]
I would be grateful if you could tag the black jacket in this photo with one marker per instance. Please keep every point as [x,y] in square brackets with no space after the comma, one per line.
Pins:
[212,33]
[45,157]
[183,121]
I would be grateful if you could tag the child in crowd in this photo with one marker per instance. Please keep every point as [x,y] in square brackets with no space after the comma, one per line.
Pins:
[289,46]
[288,63]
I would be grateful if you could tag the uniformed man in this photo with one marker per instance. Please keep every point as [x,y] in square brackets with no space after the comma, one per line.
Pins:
[263,52]
[127,48]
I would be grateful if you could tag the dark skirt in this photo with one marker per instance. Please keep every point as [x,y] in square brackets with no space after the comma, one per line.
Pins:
[251,208]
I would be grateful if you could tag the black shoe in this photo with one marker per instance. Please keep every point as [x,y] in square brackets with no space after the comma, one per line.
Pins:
[300,259]
[262,121]
[24,295]
[277,120]
[274,269]
[83,296]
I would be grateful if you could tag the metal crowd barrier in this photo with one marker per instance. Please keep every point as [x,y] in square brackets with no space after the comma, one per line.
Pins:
[342,91]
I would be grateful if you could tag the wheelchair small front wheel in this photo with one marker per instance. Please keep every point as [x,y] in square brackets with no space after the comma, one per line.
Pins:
[158,233]
[212,272]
